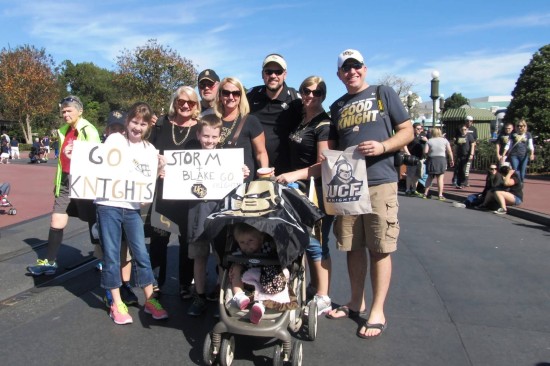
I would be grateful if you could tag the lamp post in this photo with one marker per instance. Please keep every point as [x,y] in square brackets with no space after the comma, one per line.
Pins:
[441,108]
[434,93]
[410,103]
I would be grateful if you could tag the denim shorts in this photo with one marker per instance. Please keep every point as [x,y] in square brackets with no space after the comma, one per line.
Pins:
[315,251]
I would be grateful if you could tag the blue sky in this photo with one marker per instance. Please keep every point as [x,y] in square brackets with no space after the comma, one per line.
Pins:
[479,47]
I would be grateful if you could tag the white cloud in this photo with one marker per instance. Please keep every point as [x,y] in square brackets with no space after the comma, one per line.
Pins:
[524,21]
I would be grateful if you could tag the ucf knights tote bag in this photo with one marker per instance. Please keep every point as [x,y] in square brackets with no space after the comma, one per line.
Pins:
[345,188]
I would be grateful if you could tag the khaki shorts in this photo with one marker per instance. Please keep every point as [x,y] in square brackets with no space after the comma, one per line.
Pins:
[125,255]
[199,249]
[377,231]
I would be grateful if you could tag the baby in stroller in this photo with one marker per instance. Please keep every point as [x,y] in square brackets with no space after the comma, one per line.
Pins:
[269,281]
[261,225]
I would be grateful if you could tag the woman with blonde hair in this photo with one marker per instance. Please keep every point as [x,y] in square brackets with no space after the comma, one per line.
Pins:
[240,129]
[437,150]
[307,142]
[175,131]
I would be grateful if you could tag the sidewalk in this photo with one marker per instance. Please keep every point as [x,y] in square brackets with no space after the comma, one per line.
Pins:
[32,192]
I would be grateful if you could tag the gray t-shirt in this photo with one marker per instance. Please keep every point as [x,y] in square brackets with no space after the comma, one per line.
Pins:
[437,146]
[357,118]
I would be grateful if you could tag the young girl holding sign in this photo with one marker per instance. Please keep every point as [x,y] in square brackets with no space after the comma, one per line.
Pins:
[115,216]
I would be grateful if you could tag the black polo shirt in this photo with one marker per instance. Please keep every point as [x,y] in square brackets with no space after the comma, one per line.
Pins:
[279,117]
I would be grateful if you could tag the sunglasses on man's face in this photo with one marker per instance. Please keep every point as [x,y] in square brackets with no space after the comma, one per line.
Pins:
[492,169]
[270,72]
[206,84]
[235,93]
[348,67]
[316,93]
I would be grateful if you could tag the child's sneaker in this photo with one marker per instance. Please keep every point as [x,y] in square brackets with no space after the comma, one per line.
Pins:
[257,312]
[500,211]
[198,307]
[43,267]
[153,307]
[127,294]
[119,314]
[324,304]
[241,300]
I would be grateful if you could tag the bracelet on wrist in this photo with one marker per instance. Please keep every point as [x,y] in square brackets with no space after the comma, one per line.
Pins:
[384,147]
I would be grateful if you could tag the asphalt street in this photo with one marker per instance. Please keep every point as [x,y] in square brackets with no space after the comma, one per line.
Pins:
[469,288]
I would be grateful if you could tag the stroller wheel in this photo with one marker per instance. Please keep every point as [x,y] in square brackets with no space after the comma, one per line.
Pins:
[12,211]
[312,321]
[278,355]
[227,351]
[297,354]
[208,352]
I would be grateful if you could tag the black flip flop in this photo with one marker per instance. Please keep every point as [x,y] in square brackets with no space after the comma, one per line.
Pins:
[367,325]
[351,314]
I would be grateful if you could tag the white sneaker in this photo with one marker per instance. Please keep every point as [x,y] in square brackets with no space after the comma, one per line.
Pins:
[241,300]
[324,304]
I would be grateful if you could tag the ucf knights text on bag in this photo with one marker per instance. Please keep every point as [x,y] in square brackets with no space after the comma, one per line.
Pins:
[345,187]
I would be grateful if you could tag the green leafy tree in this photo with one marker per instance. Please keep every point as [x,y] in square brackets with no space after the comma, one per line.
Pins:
[531,96]
[456,100]
[151,73]
[28,86]
[94,86]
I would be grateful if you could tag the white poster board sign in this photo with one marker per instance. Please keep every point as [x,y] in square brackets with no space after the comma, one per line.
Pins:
[202,174]
[112,171]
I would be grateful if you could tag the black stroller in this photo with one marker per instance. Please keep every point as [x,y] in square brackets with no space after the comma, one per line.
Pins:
[287,216]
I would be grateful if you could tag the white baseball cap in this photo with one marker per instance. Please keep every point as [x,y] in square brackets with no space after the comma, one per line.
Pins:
[278,59]
[347,54]
[469,118]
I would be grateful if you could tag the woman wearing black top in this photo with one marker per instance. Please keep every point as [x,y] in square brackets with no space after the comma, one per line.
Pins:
[175,131]
[312,136]
[232,107]
[511,194]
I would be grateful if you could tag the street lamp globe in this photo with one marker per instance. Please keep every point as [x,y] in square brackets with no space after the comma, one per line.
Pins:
[435,74]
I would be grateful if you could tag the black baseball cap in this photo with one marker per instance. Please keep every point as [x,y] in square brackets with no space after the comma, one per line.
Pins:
[210,75]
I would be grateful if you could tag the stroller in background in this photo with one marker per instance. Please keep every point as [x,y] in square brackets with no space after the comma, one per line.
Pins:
[287,216]
[4,202]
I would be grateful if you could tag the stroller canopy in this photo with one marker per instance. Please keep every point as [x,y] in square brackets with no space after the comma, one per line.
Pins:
[282,212]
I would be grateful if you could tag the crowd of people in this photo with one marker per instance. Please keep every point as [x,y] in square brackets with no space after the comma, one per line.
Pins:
[514,148]
[40,148]
[280,128]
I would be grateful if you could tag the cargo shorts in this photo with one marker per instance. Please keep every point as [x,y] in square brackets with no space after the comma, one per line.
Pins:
[377,231]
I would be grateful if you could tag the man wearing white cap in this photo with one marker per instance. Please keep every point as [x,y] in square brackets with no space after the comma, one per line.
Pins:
[365,116]
[279,109]
[471,130]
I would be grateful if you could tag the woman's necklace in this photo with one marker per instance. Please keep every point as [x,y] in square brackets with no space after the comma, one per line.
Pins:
[180,131]
[226,131]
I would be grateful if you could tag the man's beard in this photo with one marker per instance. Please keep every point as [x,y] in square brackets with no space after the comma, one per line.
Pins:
[273,90]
